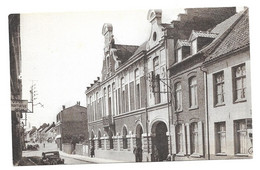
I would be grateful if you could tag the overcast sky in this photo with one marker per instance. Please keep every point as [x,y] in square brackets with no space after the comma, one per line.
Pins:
[63,52]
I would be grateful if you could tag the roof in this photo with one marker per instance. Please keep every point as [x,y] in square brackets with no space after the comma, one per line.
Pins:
[223,26]
[124,52]
[237,38]
[181,43]
[204,34]
[142,47]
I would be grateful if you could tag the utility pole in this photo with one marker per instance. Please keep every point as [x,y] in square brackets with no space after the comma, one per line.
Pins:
[33,96]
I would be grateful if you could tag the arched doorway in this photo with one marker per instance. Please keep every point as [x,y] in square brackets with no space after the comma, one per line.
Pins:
[110,137]
[139,132]
[99,139]
[138,149]
[159,141]
[92,143]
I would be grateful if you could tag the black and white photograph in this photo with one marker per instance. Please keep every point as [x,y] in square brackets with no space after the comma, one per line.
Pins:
[154,85]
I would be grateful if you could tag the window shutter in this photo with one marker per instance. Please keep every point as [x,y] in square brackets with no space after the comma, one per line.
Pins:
[200,140]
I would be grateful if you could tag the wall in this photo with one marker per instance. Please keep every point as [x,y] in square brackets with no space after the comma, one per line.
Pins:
[67,148]
[230,111]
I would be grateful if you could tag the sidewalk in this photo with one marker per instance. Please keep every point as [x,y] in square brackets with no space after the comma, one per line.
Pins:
[89,159]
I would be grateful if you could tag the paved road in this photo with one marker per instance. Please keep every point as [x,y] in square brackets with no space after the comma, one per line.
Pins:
[52,147]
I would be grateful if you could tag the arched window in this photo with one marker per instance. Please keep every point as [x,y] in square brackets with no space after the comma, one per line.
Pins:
[123,94]
[109,100]
[156,68]
[194,138]
[124,138]
[104,102]
[137,89]
[193,92]
[179,138]
[178,96]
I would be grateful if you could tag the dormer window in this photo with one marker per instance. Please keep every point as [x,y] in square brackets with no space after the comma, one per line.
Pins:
[179,55]
[182,50]
[194,47]
[200,39]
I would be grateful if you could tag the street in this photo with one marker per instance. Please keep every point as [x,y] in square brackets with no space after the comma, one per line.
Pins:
[51,147]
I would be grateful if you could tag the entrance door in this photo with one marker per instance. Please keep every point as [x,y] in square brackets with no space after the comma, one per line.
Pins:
[159,142]
[139,132]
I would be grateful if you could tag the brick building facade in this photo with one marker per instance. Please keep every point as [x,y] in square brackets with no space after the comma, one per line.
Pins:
[131,106]
[71,124]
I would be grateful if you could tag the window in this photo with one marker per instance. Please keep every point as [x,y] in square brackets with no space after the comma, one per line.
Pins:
[179,139]
[123,94]
[220,130]
[104,102]
[179,55]
[178,97]
[219,88]
[239,73]
[193,92]
[154,36]
[114,98]
[194,47]
[241,135]
[137,89]
[194,138]
[156,80]
[99,139]
[124,138]
[109,100]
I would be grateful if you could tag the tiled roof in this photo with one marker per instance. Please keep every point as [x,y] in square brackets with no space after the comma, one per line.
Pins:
[204,34]
[181,43]
[124,52]
[142,47]
[223,26]
[237,38]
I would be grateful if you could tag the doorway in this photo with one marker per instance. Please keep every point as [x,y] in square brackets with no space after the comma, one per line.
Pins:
[159,141]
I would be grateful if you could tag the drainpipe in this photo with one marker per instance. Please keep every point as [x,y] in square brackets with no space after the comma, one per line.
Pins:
[146,111]
[204,70]
[168,100]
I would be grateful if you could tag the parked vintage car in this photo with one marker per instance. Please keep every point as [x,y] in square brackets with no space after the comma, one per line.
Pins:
[51,158]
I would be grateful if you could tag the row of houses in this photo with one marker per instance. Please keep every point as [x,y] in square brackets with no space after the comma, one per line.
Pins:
[45,133]
[184,94]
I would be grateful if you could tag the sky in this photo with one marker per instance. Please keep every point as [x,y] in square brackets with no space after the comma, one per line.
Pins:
[62,53]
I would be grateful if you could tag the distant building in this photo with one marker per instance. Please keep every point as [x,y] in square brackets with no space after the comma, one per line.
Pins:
[228,79]
[130,106]
[71,124]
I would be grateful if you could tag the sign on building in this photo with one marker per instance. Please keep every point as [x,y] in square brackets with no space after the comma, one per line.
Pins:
[19,105]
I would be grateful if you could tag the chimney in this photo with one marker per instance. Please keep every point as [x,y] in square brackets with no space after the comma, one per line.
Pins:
[63,107]
[78,103]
